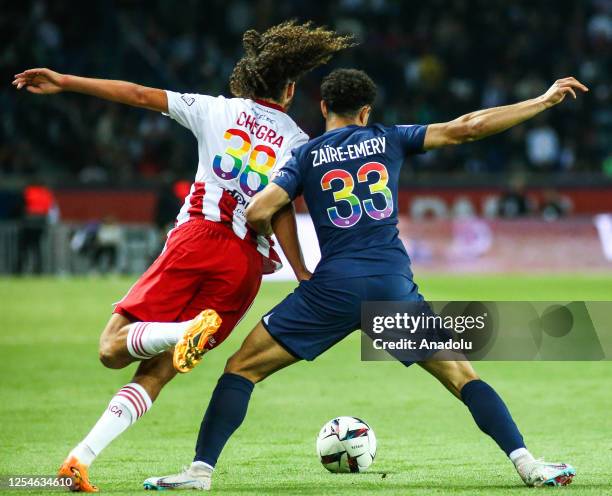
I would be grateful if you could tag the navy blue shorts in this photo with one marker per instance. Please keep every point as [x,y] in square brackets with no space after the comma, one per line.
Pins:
[320,313]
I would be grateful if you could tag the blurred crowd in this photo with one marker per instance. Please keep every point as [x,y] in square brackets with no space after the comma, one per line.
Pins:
[432,61]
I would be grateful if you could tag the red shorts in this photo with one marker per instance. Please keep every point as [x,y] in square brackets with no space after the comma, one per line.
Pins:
[203,265]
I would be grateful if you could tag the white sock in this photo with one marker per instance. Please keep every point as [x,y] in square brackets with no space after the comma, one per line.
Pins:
[147,339]
[199,466]
[520,456]
[128,405]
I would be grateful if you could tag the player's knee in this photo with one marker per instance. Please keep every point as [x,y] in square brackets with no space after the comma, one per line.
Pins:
[108,355]
[109,349]
[108,359]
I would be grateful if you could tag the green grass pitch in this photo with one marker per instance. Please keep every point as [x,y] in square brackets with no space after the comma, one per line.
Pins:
[53,389]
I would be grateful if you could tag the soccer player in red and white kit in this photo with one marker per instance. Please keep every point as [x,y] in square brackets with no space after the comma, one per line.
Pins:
[210,269]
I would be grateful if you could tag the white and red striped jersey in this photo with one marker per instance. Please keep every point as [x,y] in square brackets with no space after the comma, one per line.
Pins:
[239,142]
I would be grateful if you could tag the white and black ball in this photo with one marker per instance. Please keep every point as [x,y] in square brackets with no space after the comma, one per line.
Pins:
[346,444]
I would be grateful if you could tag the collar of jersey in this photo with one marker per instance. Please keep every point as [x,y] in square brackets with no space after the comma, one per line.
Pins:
[350,126]
[270,104]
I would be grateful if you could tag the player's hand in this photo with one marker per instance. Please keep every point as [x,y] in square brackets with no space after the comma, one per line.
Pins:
[561,88]
[39,81]
[303,275]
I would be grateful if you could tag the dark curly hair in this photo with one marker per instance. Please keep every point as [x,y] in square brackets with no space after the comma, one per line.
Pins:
[280,55]
[345,91]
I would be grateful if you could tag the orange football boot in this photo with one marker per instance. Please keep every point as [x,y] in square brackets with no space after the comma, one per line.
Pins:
[77,472]
[189,351]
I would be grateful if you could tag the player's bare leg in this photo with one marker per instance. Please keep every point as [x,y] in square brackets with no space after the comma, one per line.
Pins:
[493,418]
[452,374]
[258,357]
[111,352]
[123,342]
[128,405]
[155,373]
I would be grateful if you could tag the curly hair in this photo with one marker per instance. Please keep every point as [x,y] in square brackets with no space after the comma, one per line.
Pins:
[280,55]
[345,91]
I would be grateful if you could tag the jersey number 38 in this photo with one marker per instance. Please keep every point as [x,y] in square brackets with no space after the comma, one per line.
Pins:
[255,171]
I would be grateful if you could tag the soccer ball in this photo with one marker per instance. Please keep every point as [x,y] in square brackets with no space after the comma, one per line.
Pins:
[346,444]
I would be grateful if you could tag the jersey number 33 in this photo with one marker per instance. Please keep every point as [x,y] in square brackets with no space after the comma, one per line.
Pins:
[345,194]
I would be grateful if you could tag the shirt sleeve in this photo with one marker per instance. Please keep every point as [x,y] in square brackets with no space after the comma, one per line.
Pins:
[289,176]
[412,138]
[189,109]
[293,173]
[300,139]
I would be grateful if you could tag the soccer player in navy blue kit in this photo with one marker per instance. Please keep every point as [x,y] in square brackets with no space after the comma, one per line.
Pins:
[349,178]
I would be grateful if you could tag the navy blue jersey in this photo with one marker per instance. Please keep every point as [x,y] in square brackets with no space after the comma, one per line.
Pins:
[349,177]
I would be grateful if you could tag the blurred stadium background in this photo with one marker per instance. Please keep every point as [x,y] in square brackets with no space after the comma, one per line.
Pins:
[91,187]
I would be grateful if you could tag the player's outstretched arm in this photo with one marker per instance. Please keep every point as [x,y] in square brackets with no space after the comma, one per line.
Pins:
[47,82]
[483,123]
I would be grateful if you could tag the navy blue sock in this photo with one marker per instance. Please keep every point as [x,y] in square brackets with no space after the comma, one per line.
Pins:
[491,415]
[226,411]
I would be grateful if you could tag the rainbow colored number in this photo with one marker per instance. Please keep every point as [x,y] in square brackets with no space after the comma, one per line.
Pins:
[379,187]
[237,155]
[346,194]
[260,170]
